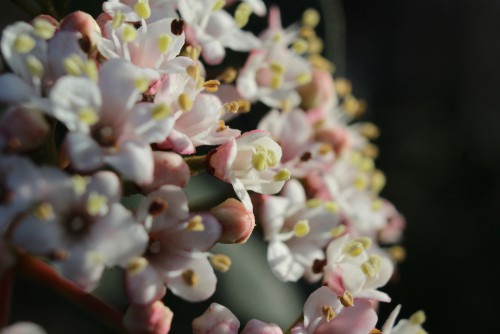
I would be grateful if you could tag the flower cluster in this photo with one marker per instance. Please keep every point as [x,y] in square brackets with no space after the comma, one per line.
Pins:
[97,110]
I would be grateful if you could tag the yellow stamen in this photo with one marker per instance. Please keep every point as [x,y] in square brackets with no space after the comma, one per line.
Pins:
[354,248]
[211,86]
[220,262]
[231,107]
[360,182]
[35,66]
[310,18]
[190,278]
[331,207]
[313,203]
[44,211]
[300,46]
[282,175]
[365,241]
[346,299]
[218,5]
[277,68]
[79,184]
[24,43]
[303,78]
[327,312]
[164,41]
[366,165]
[142,10]
[129,33]
[397,253]
[378,181]
[88,115]
[324,149]
[372,266]
[193,71]
[90,70]
[316,45]
[228,76]
[276,81]
[195,224]
[72,65]
[369,130]
[142,84]
[321,63]
[417,318]
[222,126]
[286,105]
[371,150]
[43,28]
[377,204]
[337,231]
[96,204]
[301,228]
[185,102]
[353,107]
[343,87]
[242,14]
[160,111]
[244,105]
[136,265]
[118,20]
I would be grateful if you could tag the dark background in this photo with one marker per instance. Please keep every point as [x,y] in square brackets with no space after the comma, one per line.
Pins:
[429,71]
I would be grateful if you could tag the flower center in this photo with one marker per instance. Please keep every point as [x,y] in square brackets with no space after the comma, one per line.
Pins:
[105,135]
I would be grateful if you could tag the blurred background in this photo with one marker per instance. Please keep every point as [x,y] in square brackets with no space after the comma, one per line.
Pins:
[429,71]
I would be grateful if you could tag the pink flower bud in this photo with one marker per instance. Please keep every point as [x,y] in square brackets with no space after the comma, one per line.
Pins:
[49,19]
[22,129]
[237,223]
[258,327]
[84,24]
[319,91]
[155,318]
[337,137]
[169,168]
[217,319]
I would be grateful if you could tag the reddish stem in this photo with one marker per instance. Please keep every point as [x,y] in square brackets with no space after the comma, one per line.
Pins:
[5,296]
[40,272]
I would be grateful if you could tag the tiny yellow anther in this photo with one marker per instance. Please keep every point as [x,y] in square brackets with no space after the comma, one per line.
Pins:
[136,265]
[276,81]
[377,204]
[303,78]
[88,115]
[331,207]
[360,182]
[316,45]
[282,175]
[310,18]
[142,84]
[343,87]
[397,253]
[193,71]
[372,266]
[244,105]
[242,14]
[96,204]
[24,43]
[346,299]
[164,41]
[185,102]
[79,183]
[353,107]
[73,65]
[259,160]
[160,111]
[211,86]
[327,312]
[35,66]
[313,203]
[228,76]
[300,46]
[218,5]
[277,37]
[195,224]
[366,164]
[324,149]
[301,228]
[118,20]
[221,126]
[44,211]
[231,107]
[43,28]
[337,231]
[190,278]
[129,33]
[220,262]
[142,10]
[286,105]
[369,130]
[90,70]
[354,248]
[321,63]
[370,150]
[307,32]
[417,318]
[277,68]
[365,241]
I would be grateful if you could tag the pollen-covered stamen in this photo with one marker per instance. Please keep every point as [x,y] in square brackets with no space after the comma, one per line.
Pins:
[160,111]
[397,253]
[129,33]
[218,5]
[343,87]
[231,107]
[177,27]
[73,65]
[315,45]
[331,207]
[136,265]
[97,204]
[35,66]
[185,102]
[228,76]
[417,318]
[377,204]
[282,175]
[371,267]
[367,242]
[366,165]
[43,28]
[44,211]
[354,248]
[190,278]
[142,84]
[337,231]
[300,46]
[375,331]
[220,262]
[301,228]
[88,115]
[303,78]
[142,9]
[195,224]
[360,182]
[221,126]
[244,105]
[118,20]
[105,135]
[158,206]
[211,86]
[90,70]
[242,14]
[327,312]
[193,71]
[310,18]
[163,43]
[353,107]
[324,149]
[346,299]
[369,130]
[263,159]
[24,43]
[193,52]
[79,184]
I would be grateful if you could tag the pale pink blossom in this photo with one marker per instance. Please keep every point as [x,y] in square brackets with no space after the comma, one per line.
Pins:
[404,326]
[255,326]
[217,319]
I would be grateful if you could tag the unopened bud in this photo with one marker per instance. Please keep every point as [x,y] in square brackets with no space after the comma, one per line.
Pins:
[153,318]
[216,319]
[84,24]
[23,129]
[169,168]
[237,223]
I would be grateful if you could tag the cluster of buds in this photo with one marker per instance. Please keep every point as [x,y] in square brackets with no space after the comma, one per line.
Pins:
[105,121]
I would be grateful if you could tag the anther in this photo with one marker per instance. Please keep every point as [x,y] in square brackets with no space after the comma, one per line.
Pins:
[211,86]
[346,299]
[160,111]
[343,87]
[195,224]
[142,84]
[177,27]
[369,130]
[242,14]
[164,41]
[79,184]
[228,76]
[222,126]
[354,248]
[24,43]
[185,102]
[331,207]
[282,175]
[218,5]
[337,231]
[90,70]
[142,9]
[310,18]
[300,46]
[417,318]
[301,228]
[397,253]
[306,156]
[313,203]
[365,241]
[378,181]
[88,115]
[327,312]
[324,149]
[43,28]
[231,107]
[97,204]
[190,278]
[35,66]
[44,211]
[220,262]
[118,20]
[136,265]
[377,204]
[129,33]
[72,65]
[372,266]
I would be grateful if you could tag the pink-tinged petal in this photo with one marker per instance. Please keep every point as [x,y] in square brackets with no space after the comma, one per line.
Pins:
[176,65]
[295,193]
[23,328]
[179,142]
[134,160]
[274,19]
[258,6]
[23,129]
[144,287]
[147,128]
[36,236]
[84,24]
[282,262]
[383,276]
[242,193]
[255,326]
[13,89]
[239,40]
[197,240]
[155,318]
[313,314]
[169,168]
[353,277]
[391,320]
[196,286]
[105,183]
[237,223]
[334,249]
[61,46]
[358,319]
[83,152]
[373,294]
[221,160]
[217,319]
[213,51]
[111,7]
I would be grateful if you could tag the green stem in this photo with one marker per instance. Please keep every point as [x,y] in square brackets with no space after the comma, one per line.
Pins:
[39,271]
[197,163]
